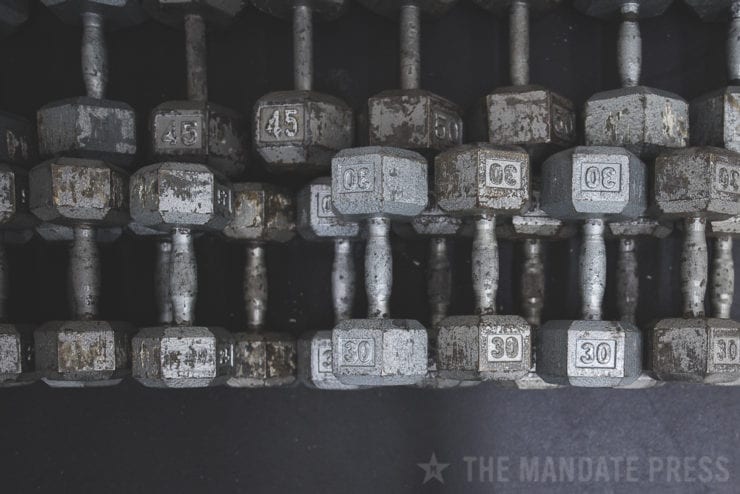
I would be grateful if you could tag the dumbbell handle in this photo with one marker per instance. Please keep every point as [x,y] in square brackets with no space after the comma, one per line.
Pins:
[485,264]
[439,289]
[255,286]
[533,282]
[343,279]
[196,51]
[519,43]
[378,267]
[410,25]
[84,273]
[628,283]
[4,286]
[183,277]
[162,281]
[94,55]
[593,269]
[733,44]
[694,265]
[303,47]
[723,277]
[629,51]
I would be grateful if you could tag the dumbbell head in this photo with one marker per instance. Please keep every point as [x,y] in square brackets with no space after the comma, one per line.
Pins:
[262,213]
[432,222]
[172,194]
[640,227]
[589,353]
[263,359]
[413,119]
[82,353]
[482,178]
[729,227]
[325,9]
[592,182]
[550,120]
[88,128]
[609,9]
[714,118]
[696,349]
[14,192]
[644,120]
[701,181]
[182,356]
[218,12]
[315,362]
[301,130]
[379,352]
[119,13]
[535,223]
[17,140]
[316,216]
[379,181]
[16,348]
[70,191]
[390,8]
[200,132]
[485,347]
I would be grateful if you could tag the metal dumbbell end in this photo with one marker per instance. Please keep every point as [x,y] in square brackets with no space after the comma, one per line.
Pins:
[629,51]
[723,277]
[533,282]
[627,280]
[343,279]
[94,55]
[485,264]
[378,267]
[183,277]
[162,281]
[592,269]
[196,56]
[255,286]
[519,43]
[84,273]
[694,266]
[439,289]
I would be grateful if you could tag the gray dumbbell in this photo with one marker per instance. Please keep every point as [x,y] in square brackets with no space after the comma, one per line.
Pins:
[378,184]
[301,130]
[479,181]
[317,221]
[412,118]
[592,184]
[196,130]
[79,192]
[262,214]
[698,185]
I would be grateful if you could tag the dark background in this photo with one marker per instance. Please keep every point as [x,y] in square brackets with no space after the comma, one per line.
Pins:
[133,439]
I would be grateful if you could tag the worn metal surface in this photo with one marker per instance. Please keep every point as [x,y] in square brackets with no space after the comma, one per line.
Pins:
[118,13]
[262,360]
[484,347]
[200,132]
[594,181]
[592,269]
[379,181]
[316,218]
[531,116]
[16,355]
[698,181]
[82,353]
[300,131]
[262,213]
[14,198]
[696,350]
[715,117]
[182,356]
[68,191]
[589,353]
[17,140]
[176,194]
[196,57]
[94,55]
[162,280]
[315,362]
[88,128]
[379,352]
[84,274]
[722,291]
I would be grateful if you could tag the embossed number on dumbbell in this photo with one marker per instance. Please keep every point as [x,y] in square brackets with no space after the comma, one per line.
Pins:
[282,123]
[728,178]
[447,127]
[357,352]
[323,203]
[180,132]
[726,350]
[504,348]
[503,174]
[601,177]
[357,178]
[596,354]
[323,357]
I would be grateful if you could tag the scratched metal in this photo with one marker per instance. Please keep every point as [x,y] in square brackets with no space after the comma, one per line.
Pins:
[17,140]
[316,217]
[715,118]
[16,355]
[262,213]
[14,197]
[88,128]
[263,360]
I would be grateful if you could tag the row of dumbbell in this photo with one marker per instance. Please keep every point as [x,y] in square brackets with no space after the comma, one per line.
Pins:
[377,185]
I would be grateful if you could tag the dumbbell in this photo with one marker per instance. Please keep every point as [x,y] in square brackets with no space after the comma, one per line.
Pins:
[542,122]
[196,130]
[17,152]
[263,214]
[531,116]
[593,184]
[412,118]
[317,221]
[378,184]
[479,181]
[696,184]
[300,130]
[79,190]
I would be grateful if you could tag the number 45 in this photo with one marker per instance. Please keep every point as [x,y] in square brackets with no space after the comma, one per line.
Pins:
[287,126]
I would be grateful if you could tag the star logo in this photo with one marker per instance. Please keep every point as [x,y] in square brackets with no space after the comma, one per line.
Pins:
[433,469]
